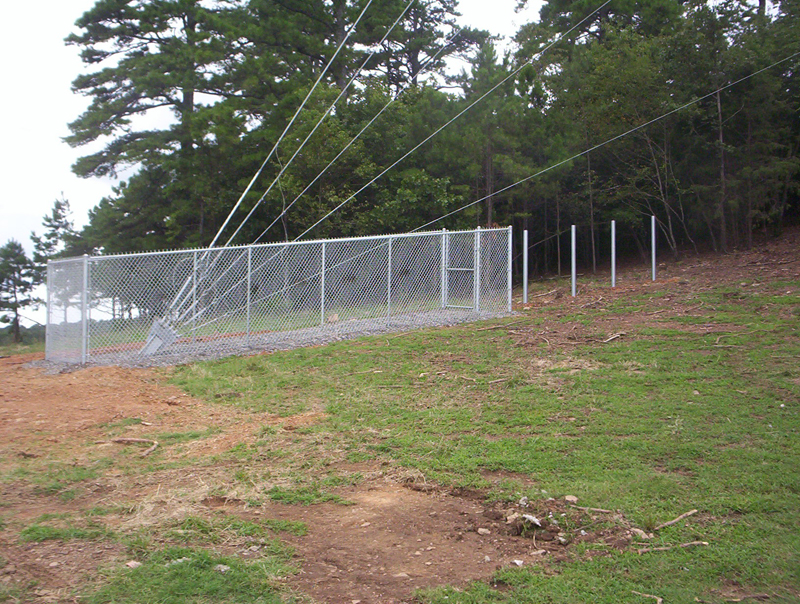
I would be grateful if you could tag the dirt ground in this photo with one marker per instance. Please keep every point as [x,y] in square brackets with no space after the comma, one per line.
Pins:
[400,534]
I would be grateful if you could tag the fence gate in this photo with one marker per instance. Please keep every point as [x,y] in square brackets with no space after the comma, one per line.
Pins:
[461,287]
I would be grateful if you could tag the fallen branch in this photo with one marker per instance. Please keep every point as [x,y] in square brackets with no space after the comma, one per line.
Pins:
[751,597]
[501,325]
[544,294]
[499,381]
[645,550]
[598,510]
[658,599]
[658,312]
[678,519]
[613,337]
[136,441]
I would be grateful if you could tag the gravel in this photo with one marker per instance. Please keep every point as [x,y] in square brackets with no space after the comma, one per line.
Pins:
[188,352]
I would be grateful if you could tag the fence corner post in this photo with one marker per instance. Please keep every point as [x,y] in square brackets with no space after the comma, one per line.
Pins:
[249,287]
[477,271]
[389,281]
[322,288]
[85,311]
[510,261]
[443,279]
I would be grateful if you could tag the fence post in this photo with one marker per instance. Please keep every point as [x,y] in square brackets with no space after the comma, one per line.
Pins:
[322,288]
[613,253]
[510,259]
[574,269]
[477,270]
[389,281]
[444,268]
[524,266]
[653,243]
[85,311]
[249,286]
[194,296]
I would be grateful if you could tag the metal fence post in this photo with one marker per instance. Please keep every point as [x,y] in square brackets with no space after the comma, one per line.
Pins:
[194,296]
[653,243]
[249,286]
[389,281]
[444,269]
[85,311]
[525,266]
[574,268]
[322,287]
[613,253]
[509,260]
[477,270]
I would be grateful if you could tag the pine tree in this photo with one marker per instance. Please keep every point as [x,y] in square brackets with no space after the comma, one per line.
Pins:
[17,277]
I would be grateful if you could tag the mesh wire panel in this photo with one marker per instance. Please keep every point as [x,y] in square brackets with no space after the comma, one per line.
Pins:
[494,270]
[231,298]
[65,310]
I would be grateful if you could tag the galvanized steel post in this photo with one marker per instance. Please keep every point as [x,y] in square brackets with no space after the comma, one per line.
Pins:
[85,311]
[444,269]
[653,244]
[322,287]
[509,260]
[389,281]
[194,295]
[574,265]
[249,286]
[525,266]
[477,270]
[613,253]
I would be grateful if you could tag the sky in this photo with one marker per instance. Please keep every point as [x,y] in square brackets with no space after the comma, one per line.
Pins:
[37,104]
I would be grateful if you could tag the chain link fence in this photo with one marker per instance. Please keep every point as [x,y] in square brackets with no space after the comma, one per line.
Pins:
[168,307]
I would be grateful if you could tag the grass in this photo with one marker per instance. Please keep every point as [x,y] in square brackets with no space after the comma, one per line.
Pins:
[175,575]
[39,532]
[673,416]
[303,496]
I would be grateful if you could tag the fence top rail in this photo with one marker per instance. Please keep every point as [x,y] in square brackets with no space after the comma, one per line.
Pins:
[274,244]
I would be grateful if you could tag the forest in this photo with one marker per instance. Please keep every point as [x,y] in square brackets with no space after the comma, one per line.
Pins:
[616,111]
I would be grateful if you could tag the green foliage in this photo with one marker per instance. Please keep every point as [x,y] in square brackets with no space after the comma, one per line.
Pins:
[17,280]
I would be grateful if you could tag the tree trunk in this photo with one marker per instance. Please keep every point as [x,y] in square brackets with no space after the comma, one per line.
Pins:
[723,227]
[748,221]
[489,178]
[558,230]
[591,214]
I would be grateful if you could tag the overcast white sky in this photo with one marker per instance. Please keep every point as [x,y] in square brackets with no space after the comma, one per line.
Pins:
[37,104]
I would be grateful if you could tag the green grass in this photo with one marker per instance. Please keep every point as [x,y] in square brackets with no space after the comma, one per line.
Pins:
[176,575]
[671,417]
[303,496]
[43,532]
[10,350]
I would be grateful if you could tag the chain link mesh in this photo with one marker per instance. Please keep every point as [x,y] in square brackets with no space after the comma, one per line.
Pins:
[104,309]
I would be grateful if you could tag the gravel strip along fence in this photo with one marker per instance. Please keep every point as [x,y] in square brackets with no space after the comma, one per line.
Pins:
[286,340]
